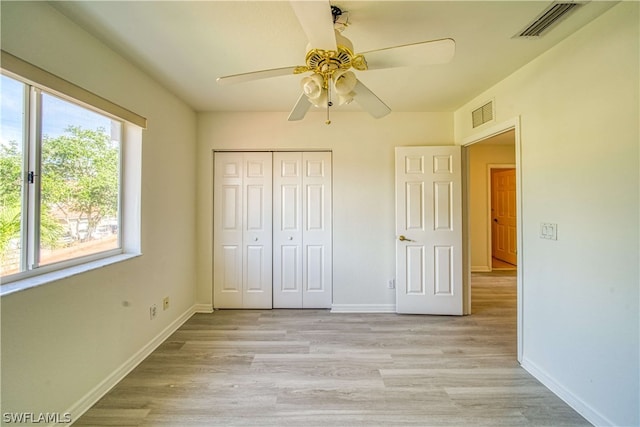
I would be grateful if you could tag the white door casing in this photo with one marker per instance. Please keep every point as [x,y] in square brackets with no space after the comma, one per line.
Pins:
[242,230]
[302,255]
[429,230]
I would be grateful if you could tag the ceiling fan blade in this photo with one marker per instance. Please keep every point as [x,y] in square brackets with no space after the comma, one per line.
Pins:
[414,54]
[317,22]
[255,75]
[369,101]
[300,109]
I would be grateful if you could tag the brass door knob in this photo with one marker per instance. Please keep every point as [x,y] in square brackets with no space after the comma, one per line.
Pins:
[404,239]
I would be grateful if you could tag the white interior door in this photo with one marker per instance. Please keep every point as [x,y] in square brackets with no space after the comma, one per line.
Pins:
[428,230]
[302,255]
[242,230]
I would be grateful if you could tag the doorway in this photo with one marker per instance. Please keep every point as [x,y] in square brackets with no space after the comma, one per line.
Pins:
[507,135]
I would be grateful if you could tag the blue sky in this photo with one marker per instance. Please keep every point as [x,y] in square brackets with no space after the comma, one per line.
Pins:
[57,113]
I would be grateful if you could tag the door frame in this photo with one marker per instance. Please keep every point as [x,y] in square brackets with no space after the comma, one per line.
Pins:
[481,135]
[490,168]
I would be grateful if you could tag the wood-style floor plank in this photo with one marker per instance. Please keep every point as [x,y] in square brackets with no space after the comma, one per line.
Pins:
[315,368]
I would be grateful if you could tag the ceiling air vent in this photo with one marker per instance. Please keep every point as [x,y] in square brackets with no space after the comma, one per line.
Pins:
[551,15]
[482,115]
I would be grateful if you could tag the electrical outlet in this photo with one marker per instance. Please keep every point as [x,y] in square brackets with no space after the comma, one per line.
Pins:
[165,303]
[391,284]
[153,311]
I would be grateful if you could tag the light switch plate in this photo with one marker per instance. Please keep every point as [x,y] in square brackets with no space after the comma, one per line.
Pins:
[548,231]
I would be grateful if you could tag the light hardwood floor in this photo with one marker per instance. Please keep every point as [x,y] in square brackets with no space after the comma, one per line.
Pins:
[314,368]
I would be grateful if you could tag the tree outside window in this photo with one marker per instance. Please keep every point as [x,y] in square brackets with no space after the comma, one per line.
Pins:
[70,193]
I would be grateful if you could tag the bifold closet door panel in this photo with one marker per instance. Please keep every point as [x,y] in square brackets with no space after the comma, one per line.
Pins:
[227,236]
[242,257]
[316,233]
[302,230]
[258,224]
[287,230]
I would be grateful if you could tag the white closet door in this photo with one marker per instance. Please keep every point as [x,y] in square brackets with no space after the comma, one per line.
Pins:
[242,230]
[227,236]
[302,230]
[316,234]
[287,230]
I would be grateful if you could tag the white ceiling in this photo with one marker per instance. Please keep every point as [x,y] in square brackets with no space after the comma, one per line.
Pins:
[186,45]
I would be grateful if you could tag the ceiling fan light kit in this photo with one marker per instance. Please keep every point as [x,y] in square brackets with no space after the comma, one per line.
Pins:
[330,58]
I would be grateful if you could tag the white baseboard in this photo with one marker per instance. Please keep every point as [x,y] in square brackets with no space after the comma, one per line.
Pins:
[480,269]
[85,403]
[579,405]
[363,308]
[203,308]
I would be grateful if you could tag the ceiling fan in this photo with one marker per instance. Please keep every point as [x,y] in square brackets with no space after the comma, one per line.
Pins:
[330,56]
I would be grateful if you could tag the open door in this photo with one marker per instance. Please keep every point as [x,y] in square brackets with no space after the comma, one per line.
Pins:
[428,230]
[503,215]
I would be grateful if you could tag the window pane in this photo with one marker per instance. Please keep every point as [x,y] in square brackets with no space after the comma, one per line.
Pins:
[12,95]
[80,170]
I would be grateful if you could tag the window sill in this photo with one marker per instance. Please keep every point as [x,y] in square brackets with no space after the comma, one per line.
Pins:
[43,279]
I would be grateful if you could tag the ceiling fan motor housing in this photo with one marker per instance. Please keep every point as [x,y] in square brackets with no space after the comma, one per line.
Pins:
[327,62]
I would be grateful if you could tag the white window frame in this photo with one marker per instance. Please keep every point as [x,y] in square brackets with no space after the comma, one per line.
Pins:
[132,125]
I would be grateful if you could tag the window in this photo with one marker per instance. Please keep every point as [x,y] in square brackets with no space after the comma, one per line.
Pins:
[70,164]
[60,189]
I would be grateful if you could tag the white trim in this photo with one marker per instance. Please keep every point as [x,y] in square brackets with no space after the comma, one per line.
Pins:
[499,128]
[580,406]
[363,308]
[494,130]
[55,275]
[480,269]
[203,308]
[85,403]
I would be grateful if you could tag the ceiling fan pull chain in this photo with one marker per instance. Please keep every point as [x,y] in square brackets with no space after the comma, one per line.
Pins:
[329,103]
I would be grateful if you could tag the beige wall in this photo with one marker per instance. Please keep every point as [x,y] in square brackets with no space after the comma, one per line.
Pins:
[61,340]
[481,155]
[579,112]
[363,186]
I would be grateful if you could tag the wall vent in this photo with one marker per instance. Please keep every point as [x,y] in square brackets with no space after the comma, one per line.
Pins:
[482,115]
[551,15]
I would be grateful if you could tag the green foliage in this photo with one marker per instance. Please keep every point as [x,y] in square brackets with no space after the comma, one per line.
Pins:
[11,173]
[80,175]
[78,178]
[9,229]
[10,196]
